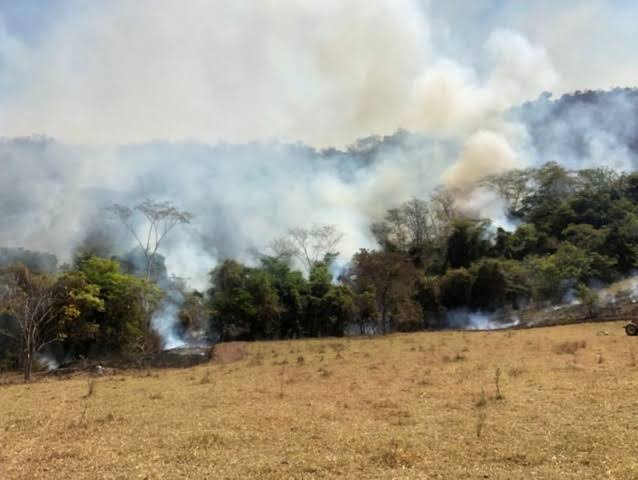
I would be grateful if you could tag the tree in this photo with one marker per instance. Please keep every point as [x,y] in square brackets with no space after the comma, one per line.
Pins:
[391,276]
[161,218]
[320,285]
[512,186]
[468,242]
[365,310]
[489,286]
[455,288]
[553,275]
[194,315]
[244,303]
[34,301]
[427,295]
[311,245]
[123,323]
[37,262]
[292,290]
[418,228]
[336,309]
[589,298]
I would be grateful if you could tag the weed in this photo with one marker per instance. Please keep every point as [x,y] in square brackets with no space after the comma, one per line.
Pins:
[481,401]
[83,416]
[632,357]
[282,377]
[257,360]
[497,384]
[90,388]
[206,378]
[480,422]
[393,456]
[569,348]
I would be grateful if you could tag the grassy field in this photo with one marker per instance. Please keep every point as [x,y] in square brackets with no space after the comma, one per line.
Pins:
[547,403]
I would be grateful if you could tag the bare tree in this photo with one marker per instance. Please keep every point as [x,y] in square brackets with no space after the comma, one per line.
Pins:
[161,218]
[31,300]
[311,245]
[283,248]
[443,212]
[512,186]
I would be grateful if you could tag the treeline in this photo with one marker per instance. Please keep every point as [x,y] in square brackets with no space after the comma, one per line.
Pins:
[573,230]
[91,308]
[568,231]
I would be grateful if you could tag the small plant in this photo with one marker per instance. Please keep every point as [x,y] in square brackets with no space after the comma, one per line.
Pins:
[516,371]
[257,360]
[480,423]
[300,360]
[632,357]
[282,376]
[457,357]
[206,378]
[481,401]
[90,388]
[497,384]
[395,456]
[82,421]
[569,347]
[390,456]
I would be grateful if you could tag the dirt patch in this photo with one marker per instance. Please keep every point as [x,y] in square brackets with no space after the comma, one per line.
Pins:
[228,352]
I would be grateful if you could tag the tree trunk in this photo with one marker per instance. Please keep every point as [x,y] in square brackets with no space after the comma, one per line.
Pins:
[28,365]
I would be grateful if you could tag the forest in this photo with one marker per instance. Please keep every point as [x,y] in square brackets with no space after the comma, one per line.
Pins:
[568,232]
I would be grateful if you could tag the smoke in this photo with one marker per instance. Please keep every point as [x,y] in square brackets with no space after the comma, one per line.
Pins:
[47,361]
[164,321]
[463,319]
[262,116]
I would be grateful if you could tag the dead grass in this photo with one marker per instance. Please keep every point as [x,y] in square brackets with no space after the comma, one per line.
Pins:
[569,347]
[391,407]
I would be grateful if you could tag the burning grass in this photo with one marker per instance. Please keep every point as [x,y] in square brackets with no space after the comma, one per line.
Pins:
[389,407]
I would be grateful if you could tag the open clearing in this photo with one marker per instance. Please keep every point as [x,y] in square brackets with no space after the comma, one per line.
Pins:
[408,406]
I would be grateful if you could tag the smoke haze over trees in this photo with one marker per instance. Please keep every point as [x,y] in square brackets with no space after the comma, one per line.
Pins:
[443,173]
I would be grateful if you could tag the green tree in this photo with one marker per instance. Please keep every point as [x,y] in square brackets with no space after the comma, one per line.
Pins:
[427,296]
[468,242]
[123,324]
[455,288]
[244,303]
[42,307]
[391,276]
[489,285]
[589,298]
[551,276]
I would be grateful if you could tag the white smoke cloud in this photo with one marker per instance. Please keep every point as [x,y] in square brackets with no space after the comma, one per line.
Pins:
[324,73]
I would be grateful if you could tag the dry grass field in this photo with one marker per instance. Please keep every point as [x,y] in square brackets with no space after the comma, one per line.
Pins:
[553,403]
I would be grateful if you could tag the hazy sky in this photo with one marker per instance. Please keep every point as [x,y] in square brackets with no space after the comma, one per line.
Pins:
[321,72]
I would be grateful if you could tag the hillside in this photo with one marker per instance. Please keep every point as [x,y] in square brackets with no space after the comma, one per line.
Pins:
[585,128]
[404,406]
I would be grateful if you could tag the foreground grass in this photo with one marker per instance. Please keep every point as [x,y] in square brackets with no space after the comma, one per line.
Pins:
[546,403]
